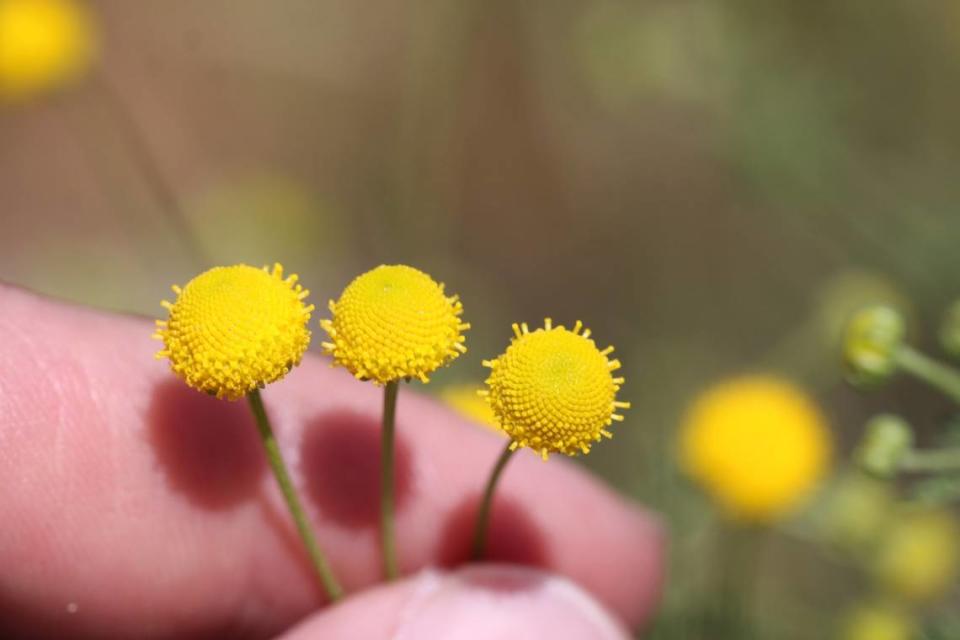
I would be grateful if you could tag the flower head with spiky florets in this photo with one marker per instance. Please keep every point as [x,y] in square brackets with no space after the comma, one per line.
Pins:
[234,329]
[553,390]
[394,322]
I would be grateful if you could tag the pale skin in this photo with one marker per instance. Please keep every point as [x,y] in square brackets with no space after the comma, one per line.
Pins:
[121,517]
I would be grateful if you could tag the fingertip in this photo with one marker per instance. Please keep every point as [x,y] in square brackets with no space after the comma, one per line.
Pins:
[488,602]
[643,574]
[609,544]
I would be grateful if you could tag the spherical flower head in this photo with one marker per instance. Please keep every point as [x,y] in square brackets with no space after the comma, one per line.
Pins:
[394,322]
[758,445]
[465,400]
[234,329]
[553,390]
[870,345]
[877,622]
[44,44]
[919,557]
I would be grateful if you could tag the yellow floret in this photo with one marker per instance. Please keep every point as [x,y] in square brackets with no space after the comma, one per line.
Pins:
[553,390]
[43,45]
[920,555]
[758,445]
[394,322]
[234,329]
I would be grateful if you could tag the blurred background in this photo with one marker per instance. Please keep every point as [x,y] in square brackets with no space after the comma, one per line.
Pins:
[713,187]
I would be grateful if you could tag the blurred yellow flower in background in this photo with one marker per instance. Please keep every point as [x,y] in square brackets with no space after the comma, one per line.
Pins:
[44,44]
[234,329]
[919,556]
[394,322]
[269,213]
[877,622]
[552,390]
[464,399]
[758,445]
[856,512]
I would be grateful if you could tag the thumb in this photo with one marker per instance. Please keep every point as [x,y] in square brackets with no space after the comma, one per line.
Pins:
[488,602]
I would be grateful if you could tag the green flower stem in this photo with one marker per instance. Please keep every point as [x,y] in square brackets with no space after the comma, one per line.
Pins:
[737,563]
[327,579]
[388,538]
[936,374]
[479,544]
[932,461]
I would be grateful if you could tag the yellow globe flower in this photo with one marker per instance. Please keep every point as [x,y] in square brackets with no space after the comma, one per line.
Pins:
[394,322]
[919,557]
[877,622]
[44,44]
[758,445]
[234,329]
[465,400]
[553,390]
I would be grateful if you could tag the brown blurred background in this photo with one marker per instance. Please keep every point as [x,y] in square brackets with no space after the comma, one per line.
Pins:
[710,186]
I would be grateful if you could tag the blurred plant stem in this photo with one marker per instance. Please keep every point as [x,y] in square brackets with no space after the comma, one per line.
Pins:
[430,104]
[728,607]
[140,154]
[933,461]
[936,374]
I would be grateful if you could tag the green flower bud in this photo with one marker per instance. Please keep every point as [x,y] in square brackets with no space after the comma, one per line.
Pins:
[872,338]
[950,330]
[887,440]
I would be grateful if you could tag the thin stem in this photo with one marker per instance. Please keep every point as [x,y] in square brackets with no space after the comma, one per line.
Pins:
[483,516]
[932,460]
[143,157]
[388,539]
[327,579]
[936,374]
[736,572]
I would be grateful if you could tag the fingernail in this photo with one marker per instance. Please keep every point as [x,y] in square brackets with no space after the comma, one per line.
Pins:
[504,602]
